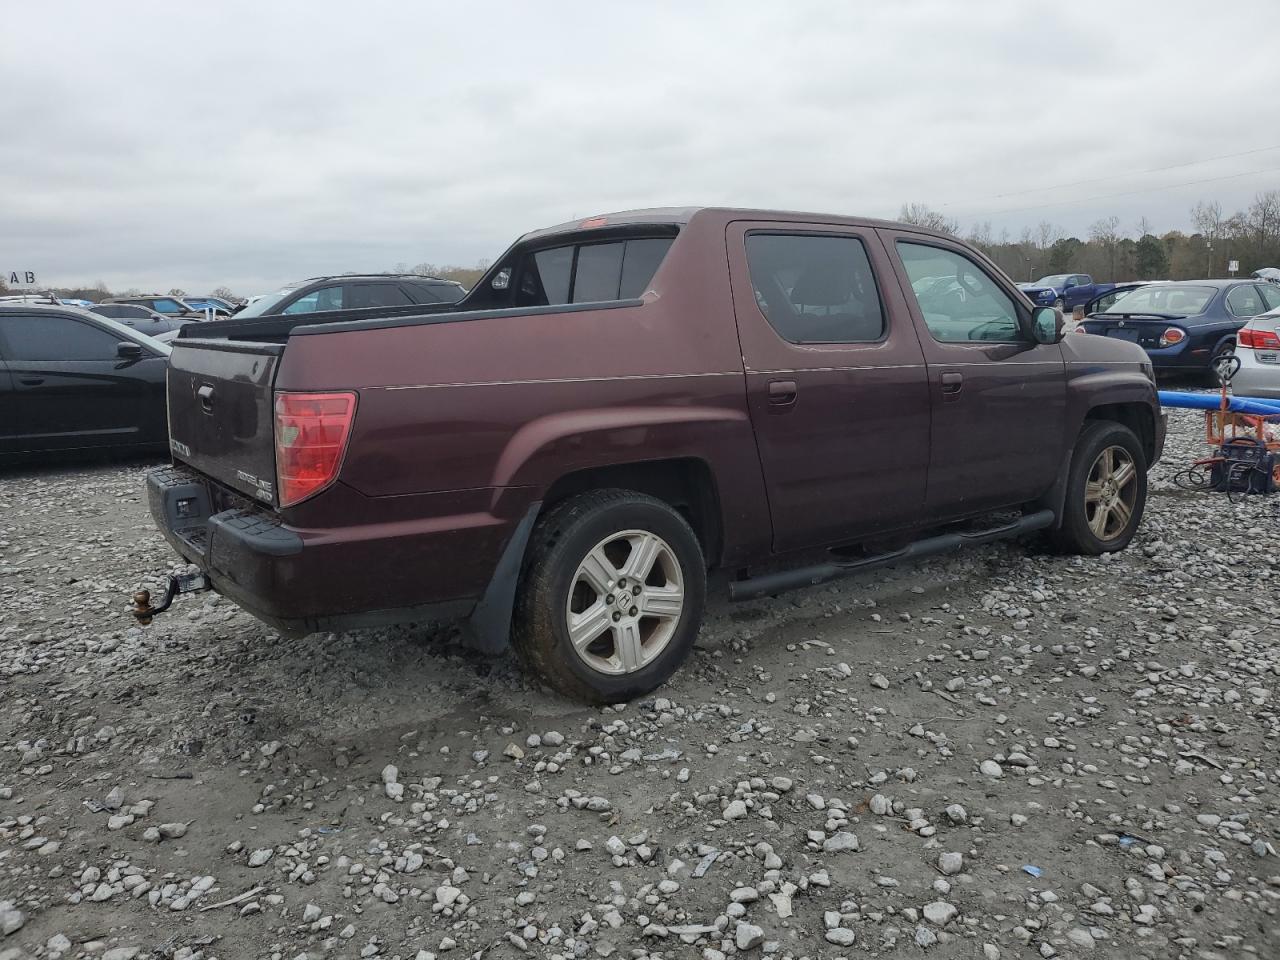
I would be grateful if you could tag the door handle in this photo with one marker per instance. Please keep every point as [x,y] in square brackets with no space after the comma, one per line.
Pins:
[952,384]
[782,393]
[31,381]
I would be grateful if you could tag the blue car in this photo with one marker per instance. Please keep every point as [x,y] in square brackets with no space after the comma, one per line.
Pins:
[1064,290]
[1184,325]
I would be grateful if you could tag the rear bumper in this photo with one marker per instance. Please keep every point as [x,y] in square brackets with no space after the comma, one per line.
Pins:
[1256,378]
[302,581]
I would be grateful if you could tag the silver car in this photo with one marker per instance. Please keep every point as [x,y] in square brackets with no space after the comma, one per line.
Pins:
[1258,347]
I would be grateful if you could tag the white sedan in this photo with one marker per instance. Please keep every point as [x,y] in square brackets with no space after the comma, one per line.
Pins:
[1258,347]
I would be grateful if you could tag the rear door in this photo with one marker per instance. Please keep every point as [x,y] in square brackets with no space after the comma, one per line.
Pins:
[836,382]
[998,398]
[72,388]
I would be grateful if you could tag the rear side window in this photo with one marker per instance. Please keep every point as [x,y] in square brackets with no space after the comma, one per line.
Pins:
[958,300]
[1245,301]
[167,306]
[592,272]
[54,338]
[1270,295]
[815,289]
[326,298]
[377,295]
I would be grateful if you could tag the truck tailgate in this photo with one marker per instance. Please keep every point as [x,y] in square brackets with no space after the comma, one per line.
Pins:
[221,411]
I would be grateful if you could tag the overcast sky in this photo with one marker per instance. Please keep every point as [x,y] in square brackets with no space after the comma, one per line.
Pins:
[247,144]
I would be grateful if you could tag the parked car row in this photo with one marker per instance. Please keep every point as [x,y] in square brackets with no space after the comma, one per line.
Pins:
[1185,326]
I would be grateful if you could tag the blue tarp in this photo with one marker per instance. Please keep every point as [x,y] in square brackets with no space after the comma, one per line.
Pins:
[1212,401]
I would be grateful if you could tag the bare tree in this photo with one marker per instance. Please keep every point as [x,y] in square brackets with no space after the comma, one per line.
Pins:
[1144,228]
[224,293]
[1207,218]
[1106,233]
[980,235]
[922,215]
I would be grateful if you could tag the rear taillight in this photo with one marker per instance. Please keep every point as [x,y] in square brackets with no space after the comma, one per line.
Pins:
[1172,335]
[311,437]
[1258,339]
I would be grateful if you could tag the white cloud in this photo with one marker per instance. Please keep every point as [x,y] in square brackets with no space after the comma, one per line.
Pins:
[159,144]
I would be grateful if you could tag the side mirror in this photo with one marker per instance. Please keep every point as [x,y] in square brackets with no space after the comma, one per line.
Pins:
[1047,325]
[128,350]
[1067,285]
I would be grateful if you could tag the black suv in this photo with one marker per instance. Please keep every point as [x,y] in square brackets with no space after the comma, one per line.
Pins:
[354,292]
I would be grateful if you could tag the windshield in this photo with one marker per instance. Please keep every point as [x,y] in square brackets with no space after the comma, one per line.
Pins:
[1057,280]
[263,305]
[1164,298]
[125,332]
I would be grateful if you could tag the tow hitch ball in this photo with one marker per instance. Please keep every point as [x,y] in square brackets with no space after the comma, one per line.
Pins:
[183,583]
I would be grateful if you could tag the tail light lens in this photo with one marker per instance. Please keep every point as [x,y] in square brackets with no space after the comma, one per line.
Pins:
[1171,336]
[311,437]
[1258,339]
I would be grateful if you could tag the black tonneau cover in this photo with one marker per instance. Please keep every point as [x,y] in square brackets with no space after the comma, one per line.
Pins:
[276,329]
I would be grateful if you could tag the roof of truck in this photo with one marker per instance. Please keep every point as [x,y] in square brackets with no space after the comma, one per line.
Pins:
[682,215]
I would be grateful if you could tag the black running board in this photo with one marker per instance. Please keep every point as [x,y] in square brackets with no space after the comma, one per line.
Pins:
[768,584]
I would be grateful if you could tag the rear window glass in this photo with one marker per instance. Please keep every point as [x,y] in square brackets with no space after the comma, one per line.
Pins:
[592,272]
[1164,298]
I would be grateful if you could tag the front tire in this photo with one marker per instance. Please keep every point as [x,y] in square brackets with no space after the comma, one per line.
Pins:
[612,596]
[1106,490]
[1059,303]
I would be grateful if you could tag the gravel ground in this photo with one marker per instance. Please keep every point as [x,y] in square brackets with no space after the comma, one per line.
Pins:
[993,754]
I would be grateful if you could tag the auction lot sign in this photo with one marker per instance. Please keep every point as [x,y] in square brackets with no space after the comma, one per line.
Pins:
[21,278]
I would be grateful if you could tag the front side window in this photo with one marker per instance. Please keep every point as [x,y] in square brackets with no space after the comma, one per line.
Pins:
[815,289]
[960,303]
[1245,302]
[326,298]
[54,338]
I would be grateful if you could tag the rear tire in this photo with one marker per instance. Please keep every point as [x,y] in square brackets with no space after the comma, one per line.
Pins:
[612,596]
[1226,349]
[1106,491]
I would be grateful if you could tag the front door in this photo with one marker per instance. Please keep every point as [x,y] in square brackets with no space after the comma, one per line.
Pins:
[836,382]
[999,398]
[72,389]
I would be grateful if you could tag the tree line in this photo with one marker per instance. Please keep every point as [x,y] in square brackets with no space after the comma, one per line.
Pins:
[1111,252]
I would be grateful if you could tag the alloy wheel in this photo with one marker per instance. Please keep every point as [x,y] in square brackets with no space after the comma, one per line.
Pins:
[1111,492]
[625,602]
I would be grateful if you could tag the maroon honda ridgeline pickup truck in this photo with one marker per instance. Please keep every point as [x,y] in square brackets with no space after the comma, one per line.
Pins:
[625,404]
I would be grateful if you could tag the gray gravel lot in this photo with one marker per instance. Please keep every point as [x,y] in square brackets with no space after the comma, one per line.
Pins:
[994,754]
